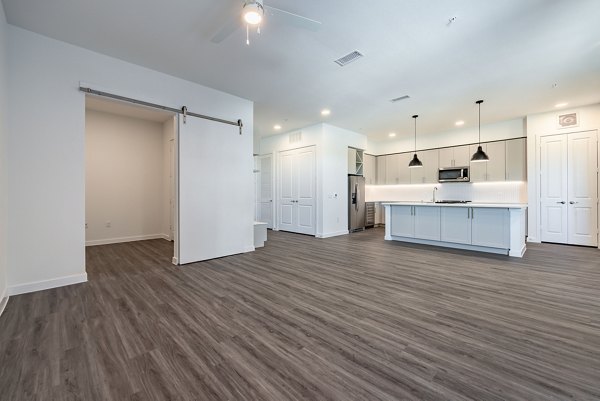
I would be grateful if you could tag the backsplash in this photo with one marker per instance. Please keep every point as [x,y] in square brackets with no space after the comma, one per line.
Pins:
[484,192]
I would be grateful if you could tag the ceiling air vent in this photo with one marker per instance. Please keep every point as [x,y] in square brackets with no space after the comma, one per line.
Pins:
[400,98]
[348,58]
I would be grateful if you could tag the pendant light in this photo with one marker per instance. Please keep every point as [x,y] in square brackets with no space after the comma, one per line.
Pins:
[415,162]
[480,155]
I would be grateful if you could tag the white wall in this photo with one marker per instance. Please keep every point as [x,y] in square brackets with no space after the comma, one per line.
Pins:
[46,158]
[3,153]
[332,170]
[169,128]
[460,136]
[543,124]
[125,182]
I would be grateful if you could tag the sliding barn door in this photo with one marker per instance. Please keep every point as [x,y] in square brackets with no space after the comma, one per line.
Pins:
[216,193]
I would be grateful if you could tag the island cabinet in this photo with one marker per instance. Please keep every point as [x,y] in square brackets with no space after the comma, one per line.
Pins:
[491,228]
[487,227]
[419,222]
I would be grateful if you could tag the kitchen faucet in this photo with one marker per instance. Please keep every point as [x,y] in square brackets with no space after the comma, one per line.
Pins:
[434,191]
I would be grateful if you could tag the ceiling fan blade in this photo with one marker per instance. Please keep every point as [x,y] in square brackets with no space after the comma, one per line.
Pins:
[294,19]
[230,26]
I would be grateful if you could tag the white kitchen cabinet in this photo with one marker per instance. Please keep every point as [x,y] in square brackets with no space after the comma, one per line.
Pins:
[495,168]
[428,174]
[490,227]
[403,223]
[457,156]
[456,225]
[426,222]
[391,169]
[351,161]
[369,170]
[403,170]
[380,163]
[516,159]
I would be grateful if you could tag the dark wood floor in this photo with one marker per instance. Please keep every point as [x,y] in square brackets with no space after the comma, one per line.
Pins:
[345,318]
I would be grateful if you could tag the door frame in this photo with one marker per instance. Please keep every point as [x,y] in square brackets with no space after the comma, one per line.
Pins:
[277,187]
[538,167]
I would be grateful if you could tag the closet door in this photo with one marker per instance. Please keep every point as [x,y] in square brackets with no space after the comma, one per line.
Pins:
[554,189]
[582,189]
[297,189]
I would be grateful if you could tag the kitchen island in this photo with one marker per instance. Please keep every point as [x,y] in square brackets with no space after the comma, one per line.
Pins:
[486,227]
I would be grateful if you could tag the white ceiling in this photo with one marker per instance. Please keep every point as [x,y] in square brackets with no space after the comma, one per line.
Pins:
[508,52]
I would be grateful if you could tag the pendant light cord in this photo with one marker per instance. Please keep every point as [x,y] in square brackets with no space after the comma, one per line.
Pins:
[479,104]
[415,117]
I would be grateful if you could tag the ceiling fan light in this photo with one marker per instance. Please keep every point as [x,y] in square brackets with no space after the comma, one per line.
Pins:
[480,155]
[415,162]
[253,13]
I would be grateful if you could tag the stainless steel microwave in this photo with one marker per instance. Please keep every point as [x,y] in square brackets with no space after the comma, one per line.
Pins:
[454,174]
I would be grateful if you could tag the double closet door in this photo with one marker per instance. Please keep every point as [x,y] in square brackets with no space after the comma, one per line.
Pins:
[569,188]
[297,190]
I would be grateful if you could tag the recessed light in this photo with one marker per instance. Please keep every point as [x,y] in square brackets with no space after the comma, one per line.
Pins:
[459,123]
[277,127]
[560,105]
[325,112]
[392,134]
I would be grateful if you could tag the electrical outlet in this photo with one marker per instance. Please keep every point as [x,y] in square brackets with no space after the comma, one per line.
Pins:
[108,224]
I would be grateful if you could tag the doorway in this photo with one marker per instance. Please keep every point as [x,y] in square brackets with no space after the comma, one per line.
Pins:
[264,190]
[130,173]
[569,188]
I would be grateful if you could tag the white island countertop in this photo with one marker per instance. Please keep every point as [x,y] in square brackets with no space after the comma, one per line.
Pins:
[470,204]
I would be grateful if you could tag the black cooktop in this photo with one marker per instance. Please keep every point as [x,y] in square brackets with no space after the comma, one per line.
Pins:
[452,201]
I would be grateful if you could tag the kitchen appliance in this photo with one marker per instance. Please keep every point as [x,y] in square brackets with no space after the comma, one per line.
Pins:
[370,214]
[356,203]
[454,174]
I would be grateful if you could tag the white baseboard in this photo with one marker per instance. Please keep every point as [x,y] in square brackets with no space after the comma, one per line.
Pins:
[126,239]
[3,300]
[47,284]
[334,234]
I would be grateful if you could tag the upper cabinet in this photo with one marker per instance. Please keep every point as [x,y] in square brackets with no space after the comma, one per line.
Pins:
[495,168]
[355,161]
[507,163]
[516,160]
[428,174]
[369,169]
[456,156]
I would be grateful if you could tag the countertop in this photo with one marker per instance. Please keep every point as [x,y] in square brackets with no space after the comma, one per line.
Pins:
[470,204]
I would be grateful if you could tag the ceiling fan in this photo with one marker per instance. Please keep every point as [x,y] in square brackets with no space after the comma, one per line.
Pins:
[252,14]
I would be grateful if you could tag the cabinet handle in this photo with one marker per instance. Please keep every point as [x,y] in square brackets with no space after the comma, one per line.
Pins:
[562,202]
[468,213]
[572,202]
[472,213]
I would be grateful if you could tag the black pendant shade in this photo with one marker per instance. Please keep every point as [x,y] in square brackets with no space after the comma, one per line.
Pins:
[480,155]
[415,162]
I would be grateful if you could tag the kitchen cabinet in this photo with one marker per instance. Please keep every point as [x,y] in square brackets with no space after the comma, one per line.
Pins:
[351,161]
[380,164]
[422,222]
[369,169]
[455,225]
[495,168]
[427,222]
[516,159]
[497,229]
[457,156]
[403,224]
[396,169]
[489,227]
[428,174]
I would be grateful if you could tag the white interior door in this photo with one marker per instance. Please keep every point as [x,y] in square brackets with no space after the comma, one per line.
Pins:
[297,188]
[216,194]
[554,188]
[172,189]
[265,190]
[306,193]
[583,189]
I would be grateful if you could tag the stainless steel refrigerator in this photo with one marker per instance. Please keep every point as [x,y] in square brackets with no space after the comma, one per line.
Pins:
[356,203]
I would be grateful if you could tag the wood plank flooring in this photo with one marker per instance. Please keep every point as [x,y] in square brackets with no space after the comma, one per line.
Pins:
[345,318]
